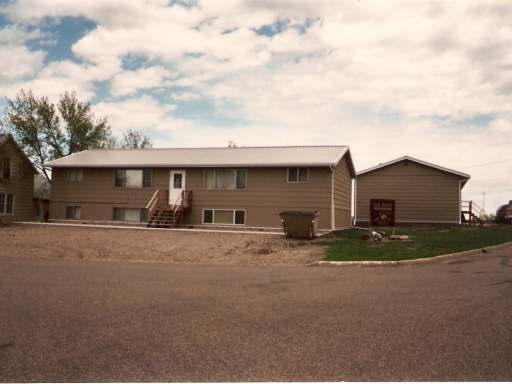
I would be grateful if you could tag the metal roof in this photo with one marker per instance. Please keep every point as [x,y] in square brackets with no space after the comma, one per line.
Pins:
[207,157]
[438,167]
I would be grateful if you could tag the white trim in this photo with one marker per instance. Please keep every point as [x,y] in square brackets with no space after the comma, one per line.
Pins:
[298,175]
[438,167]
[224,209]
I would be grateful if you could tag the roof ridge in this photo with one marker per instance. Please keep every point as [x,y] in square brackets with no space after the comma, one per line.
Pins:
[416,160]
[314,155]
[240,147]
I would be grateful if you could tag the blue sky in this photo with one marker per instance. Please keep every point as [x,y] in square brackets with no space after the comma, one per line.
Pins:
[429,79]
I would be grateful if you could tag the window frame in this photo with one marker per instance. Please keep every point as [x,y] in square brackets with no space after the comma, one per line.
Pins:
[143,215]
[144,178]
[6,195]
[237,170]
[234,210]
[298,175]
[4,169]
[74,174]
[74,207]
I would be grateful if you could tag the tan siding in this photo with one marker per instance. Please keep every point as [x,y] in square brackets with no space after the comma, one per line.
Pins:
[422,194]
[267,194]
[21,184]
[342,195]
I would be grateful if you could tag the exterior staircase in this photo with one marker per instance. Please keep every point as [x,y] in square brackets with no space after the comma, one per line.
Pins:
[163,218]
[163,215]
[471,213]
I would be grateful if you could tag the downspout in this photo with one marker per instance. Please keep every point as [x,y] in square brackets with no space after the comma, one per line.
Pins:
[460,201]
[355,202]
[333,222]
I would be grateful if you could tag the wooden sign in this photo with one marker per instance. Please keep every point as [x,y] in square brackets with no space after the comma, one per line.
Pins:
[382,213]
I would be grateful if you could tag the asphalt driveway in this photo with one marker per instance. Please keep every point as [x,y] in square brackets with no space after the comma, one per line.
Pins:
[71,320]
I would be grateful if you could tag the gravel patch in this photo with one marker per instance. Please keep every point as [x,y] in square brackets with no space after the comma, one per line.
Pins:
[175,247]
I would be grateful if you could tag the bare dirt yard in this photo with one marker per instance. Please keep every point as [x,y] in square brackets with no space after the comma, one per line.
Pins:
[45,241]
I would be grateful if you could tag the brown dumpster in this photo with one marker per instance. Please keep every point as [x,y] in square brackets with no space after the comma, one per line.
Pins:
[299,224]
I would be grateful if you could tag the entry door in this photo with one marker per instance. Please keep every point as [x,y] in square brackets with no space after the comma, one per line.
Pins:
[176,187]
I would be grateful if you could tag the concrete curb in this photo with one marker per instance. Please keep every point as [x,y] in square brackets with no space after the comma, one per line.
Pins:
[150,229]
[376,263]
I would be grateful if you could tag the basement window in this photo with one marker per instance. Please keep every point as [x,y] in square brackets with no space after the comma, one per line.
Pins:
[6,203]
[224,216]
[73,212]
[130,214]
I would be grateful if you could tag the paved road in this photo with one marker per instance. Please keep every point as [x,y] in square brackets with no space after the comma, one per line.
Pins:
[64,320]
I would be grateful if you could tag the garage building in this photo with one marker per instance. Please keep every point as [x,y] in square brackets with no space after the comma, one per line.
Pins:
[411,190]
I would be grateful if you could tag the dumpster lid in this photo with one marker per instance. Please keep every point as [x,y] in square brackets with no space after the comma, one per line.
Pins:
[298,213]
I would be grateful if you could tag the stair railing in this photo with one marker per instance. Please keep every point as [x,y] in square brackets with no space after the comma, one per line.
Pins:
[473,210]
[153,203]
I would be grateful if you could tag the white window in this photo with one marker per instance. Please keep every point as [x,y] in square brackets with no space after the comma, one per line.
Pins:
[73,212]
[225,178]
[133,178]
[224,216]
[6,204]
[298,175]
[130,214]
[74,174]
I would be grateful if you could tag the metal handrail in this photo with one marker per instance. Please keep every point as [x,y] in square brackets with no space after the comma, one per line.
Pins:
[153,202]
[473,209]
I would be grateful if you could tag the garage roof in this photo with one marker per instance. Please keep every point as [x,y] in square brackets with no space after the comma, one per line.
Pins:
[425,163]
[311,156]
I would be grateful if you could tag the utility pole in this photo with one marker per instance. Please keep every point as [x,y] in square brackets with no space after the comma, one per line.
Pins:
[483,202]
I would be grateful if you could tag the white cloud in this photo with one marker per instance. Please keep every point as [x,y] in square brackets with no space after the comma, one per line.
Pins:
[60,76]
[139,113]
[129,82]
[17,62]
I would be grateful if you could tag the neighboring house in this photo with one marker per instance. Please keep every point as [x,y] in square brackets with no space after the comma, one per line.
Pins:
[16,182]
[420,192]
[42,189]
[241,186]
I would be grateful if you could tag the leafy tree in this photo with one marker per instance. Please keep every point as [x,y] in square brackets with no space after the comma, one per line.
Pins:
[135,140]
[82,130]
[44,135]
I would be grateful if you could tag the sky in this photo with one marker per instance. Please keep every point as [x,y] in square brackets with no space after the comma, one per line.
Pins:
[429,79]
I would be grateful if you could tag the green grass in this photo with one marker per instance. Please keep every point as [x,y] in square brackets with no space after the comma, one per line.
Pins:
[427,241]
